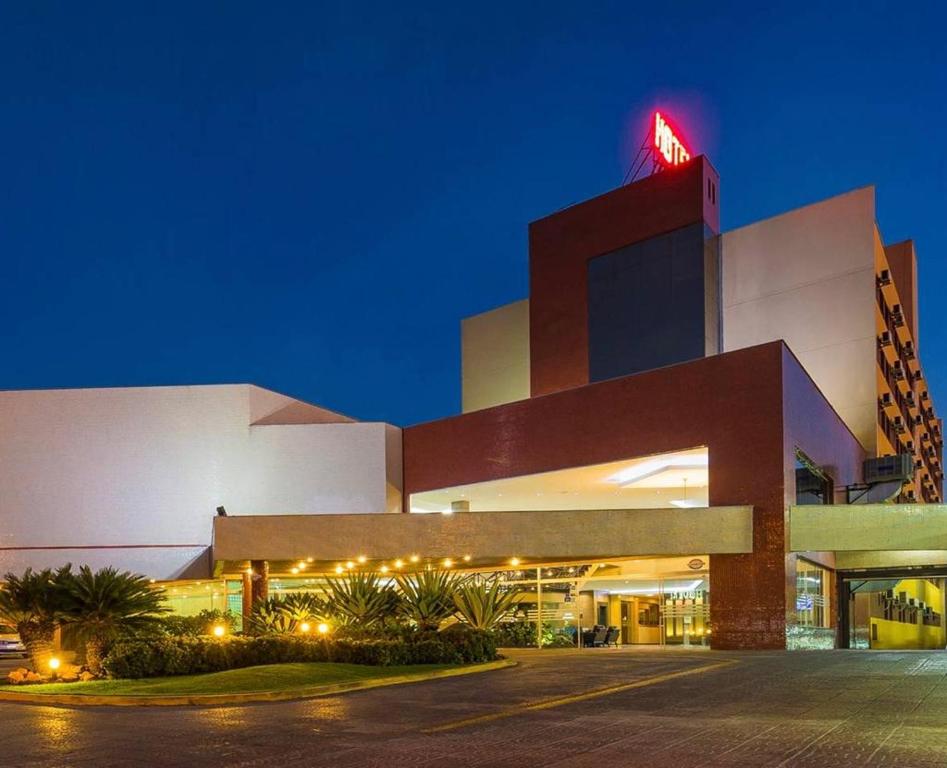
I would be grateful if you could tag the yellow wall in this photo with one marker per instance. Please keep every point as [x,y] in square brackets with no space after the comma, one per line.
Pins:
[896,635]
[495,357]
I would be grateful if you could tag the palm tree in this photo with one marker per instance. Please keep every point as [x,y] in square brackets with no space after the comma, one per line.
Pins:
[106,604]
[483,604]
[360,600]
[33,604]
[427,597]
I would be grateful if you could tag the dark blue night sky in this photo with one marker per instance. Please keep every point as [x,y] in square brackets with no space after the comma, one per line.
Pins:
[310,197]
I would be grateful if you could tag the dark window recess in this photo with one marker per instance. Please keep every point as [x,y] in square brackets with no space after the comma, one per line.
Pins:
[654,303]
[813,486]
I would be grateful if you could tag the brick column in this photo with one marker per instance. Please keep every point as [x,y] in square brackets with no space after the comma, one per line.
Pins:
[259,581]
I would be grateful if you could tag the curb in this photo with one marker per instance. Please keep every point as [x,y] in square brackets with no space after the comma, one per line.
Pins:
[252,697]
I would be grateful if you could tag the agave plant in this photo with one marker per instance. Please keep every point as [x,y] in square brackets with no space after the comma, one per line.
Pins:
[284,615]
[483,604]
[304,606]
[103,605]
[427,597]
[269,618]
[360,599]
[33,603]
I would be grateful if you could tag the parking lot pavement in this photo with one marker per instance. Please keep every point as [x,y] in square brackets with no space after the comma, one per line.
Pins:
[9,662]
[604,707]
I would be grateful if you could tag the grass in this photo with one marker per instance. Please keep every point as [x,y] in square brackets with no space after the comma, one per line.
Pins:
[270,677]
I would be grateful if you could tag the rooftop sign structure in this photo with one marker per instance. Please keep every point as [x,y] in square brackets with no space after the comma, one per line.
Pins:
[663,148]
[669,150]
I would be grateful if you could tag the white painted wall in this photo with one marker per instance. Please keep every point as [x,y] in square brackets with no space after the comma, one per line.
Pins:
[495,356]
[808,277]
[133,476]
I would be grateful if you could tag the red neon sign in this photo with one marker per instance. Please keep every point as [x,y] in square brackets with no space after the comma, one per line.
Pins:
[668,147]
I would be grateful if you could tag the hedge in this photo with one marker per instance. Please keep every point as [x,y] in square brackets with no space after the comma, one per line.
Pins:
[168,656]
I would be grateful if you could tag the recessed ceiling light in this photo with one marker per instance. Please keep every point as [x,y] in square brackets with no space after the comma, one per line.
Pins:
[687,503]
[646,469]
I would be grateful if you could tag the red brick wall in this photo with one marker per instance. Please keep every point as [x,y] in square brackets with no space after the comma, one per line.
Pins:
[750,407]
[731,403]
[560,246]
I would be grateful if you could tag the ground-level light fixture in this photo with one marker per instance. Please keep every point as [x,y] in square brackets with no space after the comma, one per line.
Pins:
[304,627]
[54,663]
[219,630]
[323,628]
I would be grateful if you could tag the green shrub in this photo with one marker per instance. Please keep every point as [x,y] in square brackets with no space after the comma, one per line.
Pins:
[201,624]
[522,634]
[167,656]
[515,634]
[469,643]
[558,640]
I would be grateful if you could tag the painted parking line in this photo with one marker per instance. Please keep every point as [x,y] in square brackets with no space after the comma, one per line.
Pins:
[573,698]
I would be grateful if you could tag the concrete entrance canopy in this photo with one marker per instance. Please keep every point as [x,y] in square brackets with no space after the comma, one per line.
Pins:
[868,527]
[751,409]
[489,538]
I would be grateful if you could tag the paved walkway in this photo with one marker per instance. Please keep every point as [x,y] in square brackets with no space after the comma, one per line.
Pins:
[573,709]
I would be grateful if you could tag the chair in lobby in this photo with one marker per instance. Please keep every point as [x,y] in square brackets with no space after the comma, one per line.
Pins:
[596,637]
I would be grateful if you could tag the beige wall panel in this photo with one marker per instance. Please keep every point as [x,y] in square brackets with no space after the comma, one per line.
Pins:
[826,239]
[868,527]
[492,536]
[890,559]
[495,356]
[807,277]
[133,476]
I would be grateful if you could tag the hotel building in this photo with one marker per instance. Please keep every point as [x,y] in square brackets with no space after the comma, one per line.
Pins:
[677,433]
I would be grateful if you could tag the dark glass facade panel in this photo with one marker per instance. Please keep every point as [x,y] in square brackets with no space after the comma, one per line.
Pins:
[654,303]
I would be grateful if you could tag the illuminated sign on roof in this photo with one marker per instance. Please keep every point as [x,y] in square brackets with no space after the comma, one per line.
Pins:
[668,147]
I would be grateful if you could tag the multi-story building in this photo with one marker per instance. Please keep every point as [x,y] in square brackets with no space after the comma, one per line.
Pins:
[668,435]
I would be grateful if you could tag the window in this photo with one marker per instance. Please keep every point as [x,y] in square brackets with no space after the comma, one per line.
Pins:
[813,486]
[812,594]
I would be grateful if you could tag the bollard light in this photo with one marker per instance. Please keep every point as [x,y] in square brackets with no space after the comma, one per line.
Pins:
[323,628]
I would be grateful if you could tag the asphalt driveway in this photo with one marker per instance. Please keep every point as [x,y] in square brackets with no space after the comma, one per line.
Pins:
[603,707]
